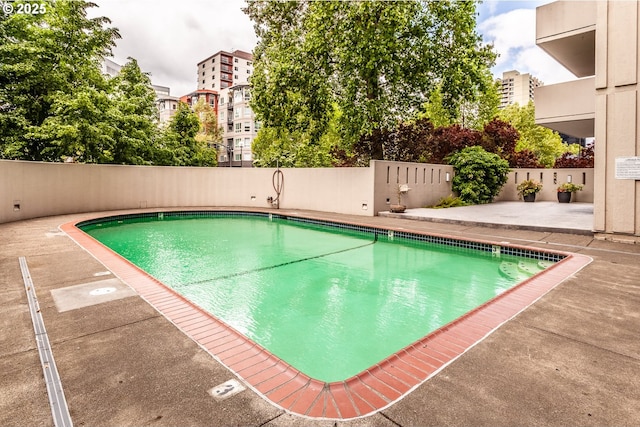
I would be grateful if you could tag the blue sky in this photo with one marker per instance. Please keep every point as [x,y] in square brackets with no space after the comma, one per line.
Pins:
[169,38]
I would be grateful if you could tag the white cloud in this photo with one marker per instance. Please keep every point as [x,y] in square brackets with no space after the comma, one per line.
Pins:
[513,35]
[168,38]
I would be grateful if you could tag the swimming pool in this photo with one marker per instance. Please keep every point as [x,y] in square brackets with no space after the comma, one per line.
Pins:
[410,364]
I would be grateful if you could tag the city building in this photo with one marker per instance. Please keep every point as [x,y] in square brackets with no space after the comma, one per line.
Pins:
[239,127]
[209,96]
[167,106]
[224,69]
[517,88]
[598,42]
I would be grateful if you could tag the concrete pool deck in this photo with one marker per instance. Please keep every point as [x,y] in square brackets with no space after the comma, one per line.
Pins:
[572,358]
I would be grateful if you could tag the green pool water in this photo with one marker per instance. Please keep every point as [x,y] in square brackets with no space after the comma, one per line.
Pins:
[329,302]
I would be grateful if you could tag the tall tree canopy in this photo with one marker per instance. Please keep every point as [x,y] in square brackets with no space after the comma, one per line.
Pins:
[375,61]
[52,93]
[545,143]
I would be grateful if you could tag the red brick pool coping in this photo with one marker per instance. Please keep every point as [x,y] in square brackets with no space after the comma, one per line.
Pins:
[361,395]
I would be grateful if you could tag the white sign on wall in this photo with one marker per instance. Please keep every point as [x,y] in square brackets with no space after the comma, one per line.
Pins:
[628,168]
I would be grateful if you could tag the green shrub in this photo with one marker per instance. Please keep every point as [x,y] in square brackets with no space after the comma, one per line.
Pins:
[450,201]
[479,175]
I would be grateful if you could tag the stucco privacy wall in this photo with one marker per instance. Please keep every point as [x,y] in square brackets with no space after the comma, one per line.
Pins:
[428,183]
[550,179]
[35,189]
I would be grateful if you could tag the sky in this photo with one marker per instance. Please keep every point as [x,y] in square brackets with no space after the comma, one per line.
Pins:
[169,38]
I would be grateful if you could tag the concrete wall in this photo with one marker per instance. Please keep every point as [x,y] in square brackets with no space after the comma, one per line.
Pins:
[550,179]
[34,189]
[428,183]
[567,107]
[617,201]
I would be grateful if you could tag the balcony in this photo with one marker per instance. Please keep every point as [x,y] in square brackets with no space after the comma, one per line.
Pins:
[568,107]
[566,30]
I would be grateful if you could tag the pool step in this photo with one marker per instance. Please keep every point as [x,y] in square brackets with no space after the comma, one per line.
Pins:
[512,271]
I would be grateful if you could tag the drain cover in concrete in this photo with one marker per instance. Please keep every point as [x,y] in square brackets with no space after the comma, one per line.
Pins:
[226,390]
[91,293]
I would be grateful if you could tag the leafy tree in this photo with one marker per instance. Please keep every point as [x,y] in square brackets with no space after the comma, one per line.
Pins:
[479,175]
[51,88]
[375,60]
[500,137]
[448,140]
[178,145]
[209,133]
[583,159]
[545,143]
[133,115]
[434,110]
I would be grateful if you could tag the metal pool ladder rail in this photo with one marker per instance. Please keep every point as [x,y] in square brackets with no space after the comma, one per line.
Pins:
[59,408]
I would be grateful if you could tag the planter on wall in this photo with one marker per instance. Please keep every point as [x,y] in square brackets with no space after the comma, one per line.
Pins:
[529,197]
[564,196]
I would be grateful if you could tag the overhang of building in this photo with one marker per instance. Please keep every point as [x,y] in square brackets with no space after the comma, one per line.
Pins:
[566,31]
[567,107]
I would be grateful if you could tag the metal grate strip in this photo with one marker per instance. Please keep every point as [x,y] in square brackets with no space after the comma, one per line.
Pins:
[59,409]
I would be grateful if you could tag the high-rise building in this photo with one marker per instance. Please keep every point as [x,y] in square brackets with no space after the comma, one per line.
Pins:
[517,88]
[224,69]
[239,126]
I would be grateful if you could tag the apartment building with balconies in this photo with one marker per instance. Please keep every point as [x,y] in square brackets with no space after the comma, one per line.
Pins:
[224,69]
[599,42]
[239,126]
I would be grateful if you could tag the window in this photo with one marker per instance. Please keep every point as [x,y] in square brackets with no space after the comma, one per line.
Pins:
[174,106]
[213,85]
[236,113]
[247,142]
[224,85]
[222,100]
[202,65]
[202,81]
[222,115]
[235,68]
[238,143]
[235,76]
[248,71]
[247,126]
[247,94]
[237,96]
[249,63]
[235,60]
[238,127]
[247,111]
[213,69]
[256,126]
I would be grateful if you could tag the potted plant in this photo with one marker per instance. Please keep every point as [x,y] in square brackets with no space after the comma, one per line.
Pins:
[399,208]
[565,191]
[528,189]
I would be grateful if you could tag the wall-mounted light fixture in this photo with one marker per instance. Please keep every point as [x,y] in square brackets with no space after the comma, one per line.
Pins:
[447,177]
[568,178]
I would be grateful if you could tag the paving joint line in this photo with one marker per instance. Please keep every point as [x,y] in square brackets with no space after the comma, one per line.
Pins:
[390,419]
[636,359]
[71,339]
